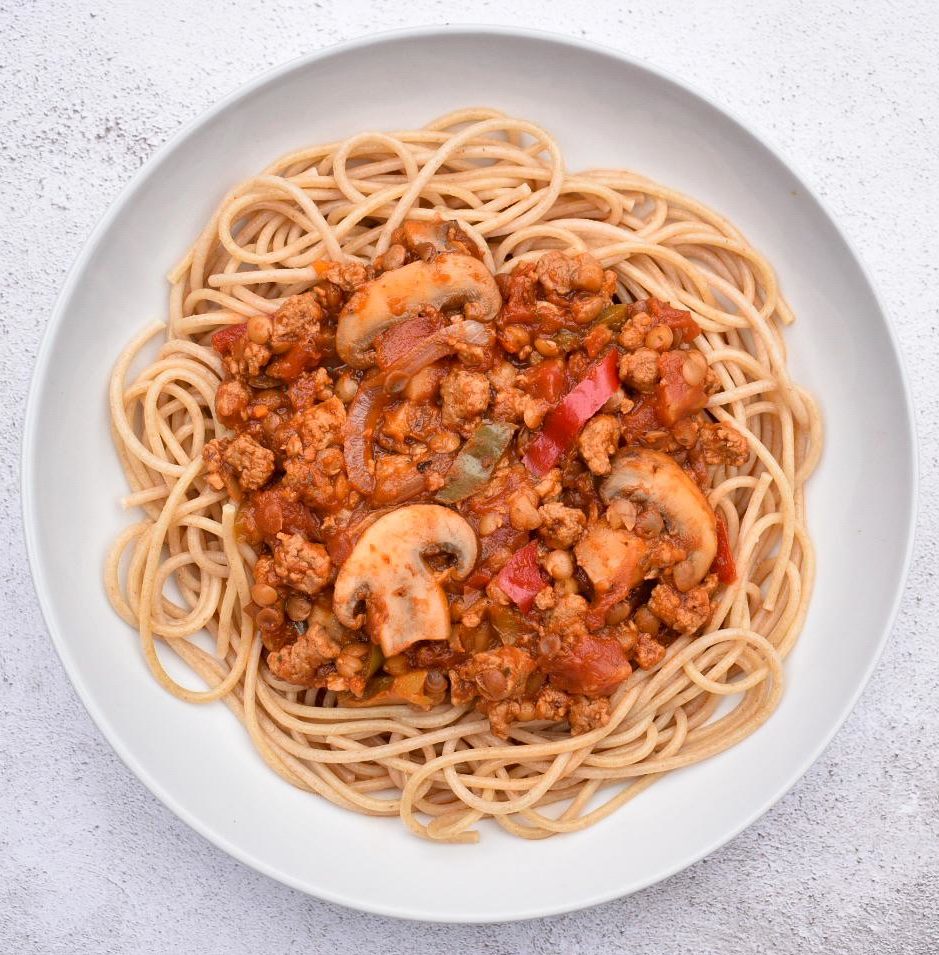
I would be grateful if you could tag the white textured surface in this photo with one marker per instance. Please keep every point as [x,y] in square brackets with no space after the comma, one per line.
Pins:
[849,860]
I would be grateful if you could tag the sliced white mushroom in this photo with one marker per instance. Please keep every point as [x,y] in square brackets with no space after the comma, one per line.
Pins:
[387,572]
[652,478]
[447,282]
[441,235]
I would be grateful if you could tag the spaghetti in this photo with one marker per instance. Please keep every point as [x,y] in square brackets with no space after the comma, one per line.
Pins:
[182,569]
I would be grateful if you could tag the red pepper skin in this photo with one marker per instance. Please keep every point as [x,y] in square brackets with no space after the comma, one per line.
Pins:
[563,423]
[225,339]
[521,578]
[724,565]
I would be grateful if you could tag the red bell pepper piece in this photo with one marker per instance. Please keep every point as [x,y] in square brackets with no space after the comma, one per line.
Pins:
[521,578]
[563,423]
[724,565]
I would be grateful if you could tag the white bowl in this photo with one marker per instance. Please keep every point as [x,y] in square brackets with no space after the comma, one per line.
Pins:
[605,110]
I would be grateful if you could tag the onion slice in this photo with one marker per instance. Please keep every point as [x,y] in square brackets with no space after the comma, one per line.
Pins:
[366,407]
[376,390]
[445,342]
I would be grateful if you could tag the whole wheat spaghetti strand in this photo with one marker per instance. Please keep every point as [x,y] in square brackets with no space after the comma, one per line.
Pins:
[180,569]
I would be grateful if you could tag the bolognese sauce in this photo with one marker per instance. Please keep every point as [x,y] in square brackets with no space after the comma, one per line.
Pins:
[566,430]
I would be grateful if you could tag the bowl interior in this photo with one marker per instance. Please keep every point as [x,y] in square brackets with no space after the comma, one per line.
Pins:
[607,112]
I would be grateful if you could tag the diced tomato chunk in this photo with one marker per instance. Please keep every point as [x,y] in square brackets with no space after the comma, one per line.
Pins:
[546,380]
[596,340]
[638,422]
[224,340]
[292,364]
[677,319]
[592,666]
[521,578]
[477,580]
[271,512]
[674,397]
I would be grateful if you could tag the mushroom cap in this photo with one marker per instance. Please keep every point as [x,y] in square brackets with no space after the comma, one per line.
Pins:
[387,570]
[651,477]
[447,281]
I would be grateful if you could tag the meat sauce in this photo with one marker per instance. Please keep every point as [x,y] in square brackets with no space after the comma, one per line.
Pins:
[318,451]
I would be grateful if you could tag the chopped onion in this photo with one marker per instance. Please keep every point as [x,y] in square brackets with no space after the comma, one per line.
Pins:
[414,483]
[441,343]
[376,390]
[361,418]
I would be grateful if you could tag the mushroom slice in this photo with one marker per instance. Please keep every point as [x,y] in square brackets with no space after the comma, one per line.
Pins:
[651,477]
[387,570]
[437,234]
[448,281]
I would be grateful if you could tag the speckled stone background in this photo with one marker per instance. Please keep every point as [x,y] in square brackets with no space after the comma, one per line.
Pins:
[848,862]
